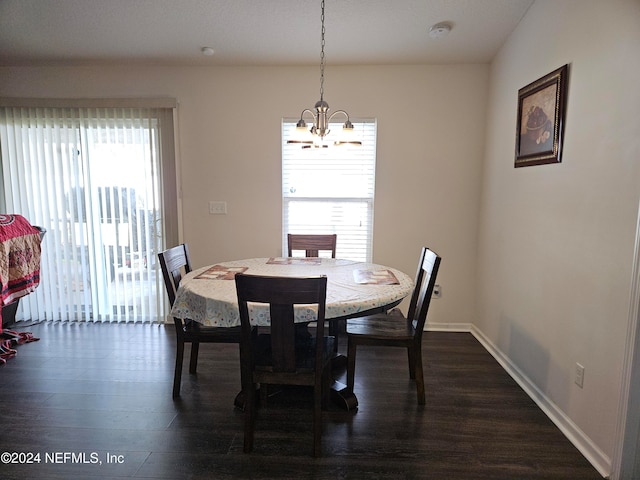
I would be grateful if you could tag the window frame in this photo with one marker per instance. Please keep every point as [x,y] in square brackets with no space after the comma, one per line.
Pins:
[347,201]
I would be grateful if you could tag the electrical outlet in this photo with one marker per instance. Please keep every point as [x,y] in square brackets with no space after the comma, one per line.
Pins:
[437,291]
[217,208]
[579,375]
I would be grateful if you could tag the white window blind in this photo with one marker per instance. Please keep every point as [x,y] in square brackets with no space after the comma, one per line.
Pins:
[331,190]
[93,178]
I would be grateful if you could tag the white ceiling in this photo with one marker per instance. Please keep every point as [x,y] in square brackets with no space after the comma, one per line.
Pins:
[252,32]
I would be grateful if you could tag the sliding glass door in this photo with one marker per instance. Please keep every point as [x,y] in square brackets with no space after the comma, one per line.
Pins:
[94,179]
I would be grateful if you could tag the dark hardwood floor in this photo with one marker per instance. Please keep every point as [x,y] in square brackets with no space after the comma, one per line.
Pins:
[95,392]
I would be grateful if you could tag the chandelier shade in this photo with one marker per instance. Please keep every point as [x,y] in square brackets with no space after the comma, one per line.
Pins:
[314,136]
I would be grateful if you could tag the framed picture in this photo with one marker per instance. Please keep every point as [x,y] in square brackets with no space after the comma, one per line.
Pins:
[540,124]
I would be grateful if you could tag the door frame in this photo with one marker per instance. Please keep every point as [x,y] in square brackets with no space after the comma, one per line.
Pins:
[626,462]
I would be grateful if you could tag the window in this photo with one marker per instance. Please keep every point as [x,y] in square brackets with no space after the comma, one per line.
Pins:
[331,190]
[94,178]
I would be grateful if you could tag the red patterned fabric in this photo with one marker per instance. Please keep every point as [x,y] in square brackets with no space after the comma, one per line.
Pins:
[19,258]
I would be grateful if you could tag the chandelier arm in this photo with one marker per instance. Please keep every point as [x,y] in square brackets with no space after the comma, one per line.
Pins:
[336,113]
[307,110]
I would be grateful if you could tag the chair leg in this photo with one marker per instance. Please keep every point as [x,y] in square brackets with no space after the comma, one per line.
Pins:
[193,363]
[327,380]
[177,374]
[411,354]
[249,418]
[317,420]
[419,375]
[351,363]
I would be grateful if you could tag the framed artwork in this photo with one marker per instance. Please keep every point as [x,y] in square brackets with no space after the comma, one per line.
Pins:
[540,123]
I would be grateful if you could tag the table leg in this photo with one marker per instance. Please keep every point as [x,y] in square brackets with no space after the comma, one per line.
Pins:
[240,400]
[340,394]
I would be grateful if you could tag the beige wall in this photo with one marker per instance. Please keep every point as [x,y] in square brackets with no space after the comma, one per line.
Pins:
[556,242]
[546,250]
[430,145]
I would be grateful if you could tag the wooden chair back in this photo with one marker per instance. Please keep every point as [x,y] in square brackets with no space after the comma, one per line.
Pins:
[282,294]
[312,244]
[425,282]
[174,262]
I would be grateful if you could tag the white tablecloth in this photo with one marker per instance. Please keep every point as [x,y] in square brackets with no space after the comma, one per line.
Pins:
[212,301]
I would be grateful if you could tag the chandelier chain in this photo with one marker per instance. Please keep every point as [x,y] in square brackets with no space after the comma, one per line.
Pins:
[320,113]
[322,52]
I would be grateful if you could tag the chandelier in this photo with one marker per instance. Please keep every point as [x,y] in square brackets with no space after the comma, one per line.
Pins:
[320,114]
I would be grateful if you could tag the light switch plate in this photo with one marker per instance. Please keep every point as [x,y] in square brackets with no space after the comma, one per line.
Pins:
[217,208]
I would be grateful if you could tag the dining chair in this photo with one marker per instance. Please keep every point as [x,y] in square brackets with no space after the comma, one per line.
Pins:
[174,263]
[392,329]
[277,357]
[312,244]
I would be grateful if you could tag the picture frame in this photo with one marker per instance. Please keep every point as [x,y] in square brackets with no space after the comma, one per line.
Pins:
[541,118]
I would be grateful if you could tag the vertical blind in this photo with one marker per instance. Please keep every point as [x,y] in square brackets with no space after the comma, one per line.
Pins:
[93,178]
[331,190]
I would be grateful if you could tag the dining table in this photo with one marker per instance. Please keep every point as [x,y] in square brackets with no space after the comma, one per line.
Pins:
[208,296]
